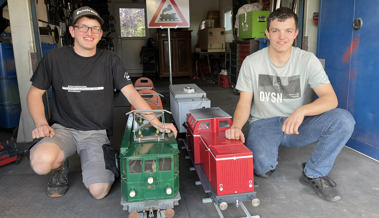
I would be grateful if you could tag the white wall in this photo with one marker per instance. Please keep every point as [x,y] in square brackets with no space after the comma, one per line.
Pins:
[309,27]
[22,33]
[226,5]
[198,11]
[41,12]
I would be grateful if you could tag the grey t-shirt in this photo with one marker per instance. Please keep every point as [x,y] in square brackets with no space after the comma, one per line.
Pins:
[279,90]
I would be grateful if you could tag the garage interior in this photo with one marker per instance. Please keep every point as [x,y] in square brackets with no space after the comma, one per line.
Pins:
[23,193]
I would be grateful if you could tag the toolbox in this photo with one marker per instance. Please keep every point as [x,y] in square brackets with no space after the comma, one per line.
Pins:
[252,24]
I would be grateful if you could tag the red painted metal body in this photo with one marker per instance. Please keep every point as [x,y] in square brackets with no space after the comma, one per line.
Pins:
[228,164]
[195,127]
[231,168]
[205,155]
[8,154]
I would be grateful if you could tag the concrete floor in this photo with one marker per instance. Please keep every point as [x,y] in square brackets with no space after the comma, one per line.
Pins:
[23,193]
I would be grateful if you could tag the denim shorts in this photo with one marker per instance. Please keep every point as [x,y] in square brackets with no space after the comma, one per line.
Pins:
[88,144]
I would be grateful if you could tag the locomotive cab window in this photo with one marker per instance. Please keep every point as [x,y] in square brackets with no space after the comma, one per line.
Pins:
[223,124]
[204,125]
[135,166]
[150,166]
[164,164]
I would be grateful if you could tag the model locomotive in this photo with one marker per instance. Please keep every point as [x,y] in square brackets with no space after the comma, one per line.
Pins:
[149,162]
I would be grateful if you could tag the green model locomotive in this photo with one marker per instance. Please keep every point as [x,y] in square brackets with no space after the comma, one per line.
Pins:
[149,164]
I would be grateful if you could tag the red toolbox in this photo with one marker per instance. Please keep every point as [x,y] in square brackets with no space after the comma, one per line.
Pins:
[8,154]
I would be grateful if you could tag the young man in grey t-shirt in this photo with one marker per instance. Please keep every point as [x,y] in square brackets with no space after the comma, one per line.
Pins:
[282,80]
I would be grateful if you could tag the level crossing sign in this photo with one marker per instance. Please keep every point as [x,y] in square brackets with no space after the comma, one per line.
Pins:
[167,13]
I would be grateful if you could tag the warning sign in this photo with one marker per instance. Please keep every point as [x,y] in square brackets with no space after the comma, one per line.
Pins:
[167,13]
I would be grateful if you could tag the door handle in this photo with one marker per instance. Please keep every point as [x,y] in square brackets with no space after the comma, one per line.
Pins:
[357,23]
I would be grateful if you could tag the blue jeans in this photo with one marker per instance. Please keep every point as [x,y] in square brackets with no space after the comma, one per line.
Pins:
[331,130]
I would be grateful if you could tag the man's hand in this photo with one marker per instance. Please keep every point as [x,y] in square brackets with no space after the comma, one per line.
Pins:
[292,123]
[327,100]
[43,131]
[235,133]
[167,128]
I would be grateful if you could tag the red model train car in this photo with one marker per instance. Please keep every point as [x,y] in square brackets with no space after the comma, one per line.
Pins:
[227,164]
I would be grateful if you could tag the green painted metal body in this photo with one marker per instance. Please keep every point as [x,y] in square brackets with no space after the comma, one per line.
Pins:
[252,24]
[144,159]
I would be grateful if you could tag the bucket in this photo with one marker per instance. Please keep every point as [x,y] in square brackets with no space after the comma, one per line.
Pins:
[7,65]
[9,115]
[9,93]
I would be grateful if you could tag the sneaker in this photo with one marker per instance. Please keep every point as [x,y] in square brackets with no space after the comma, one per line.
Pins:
[58,181]
[324,187]
[266,175]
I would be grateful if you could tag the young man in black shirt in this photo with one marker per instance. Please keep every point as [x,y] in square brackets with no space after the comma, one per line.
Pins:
[83,79]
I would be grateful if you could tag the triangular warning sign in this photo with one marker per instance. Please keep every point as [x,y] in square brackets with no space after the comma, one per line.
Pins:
[168,15]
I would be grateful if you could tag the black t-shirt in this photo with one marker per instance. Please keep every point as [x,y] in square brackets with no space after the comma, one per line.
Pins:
[82,87]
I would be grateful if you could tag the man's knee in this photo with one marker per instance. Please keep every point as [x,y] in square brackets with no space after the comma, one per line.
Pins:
[45,157]
[344,120]
[99,190]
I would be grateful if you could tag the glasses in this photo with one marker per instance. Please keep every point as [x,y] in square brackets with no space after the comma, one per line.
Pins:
[84,29]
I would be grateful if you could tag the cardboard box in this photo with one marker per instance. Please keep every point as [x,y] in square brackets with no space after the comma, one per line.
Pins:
[252,24]
[212,40]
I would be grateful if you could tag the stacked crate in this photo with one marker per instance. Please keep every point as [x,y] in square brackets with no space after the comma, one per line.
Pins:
[245,48]
[241,49]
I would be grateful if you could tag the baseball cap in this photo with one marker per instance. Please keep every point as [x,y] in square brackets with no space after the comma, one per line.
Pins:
[86,11]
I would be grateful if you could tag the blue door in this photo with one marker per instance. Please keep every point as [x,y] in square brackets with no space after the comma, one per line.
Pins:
[347,41]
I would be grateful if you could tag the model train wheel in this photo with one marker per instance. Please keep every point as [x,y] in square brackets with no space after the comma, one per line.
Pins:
[255,202]
[223,205]
[169,213]
[133,215]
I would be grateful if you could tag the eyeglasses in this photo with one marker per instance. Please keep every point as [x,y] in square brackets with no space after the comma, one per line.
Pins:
[84,29]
